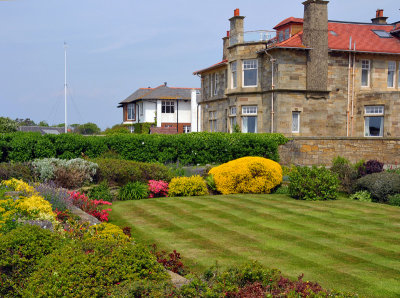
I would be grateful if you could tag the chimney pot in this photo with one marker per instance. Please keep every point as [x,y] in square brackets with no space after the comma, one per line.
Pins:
[236,12]
[379,13]
[227,33]
[165,84]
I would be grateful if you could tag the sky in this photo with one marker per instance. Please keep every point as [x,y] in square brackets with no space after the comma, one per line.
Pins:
[117,46]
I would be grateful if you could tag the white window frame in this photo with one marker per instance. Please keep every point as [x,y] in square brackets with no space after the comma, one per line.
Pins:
[186,129]
[249,110]
[249,65]
[366,66]
[232,118]
[131,111]
[298,122]
[234,74]
[374,111]
[167,105]
[391,70]
[141,108]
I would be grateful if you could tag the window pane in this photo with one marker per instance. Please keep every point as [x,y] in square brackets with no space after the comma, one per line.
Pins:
[250,72]
[234,74]
[374,126]
[287,34]
[295,122]
[391,72]
[249,124]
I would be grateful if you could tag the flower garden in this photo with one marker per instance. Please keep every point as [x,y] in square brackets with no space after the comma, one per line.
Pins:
[48,249]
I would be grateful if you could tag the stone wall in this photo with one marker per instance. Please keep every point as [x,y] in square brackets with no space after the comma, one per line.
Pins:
[320,151]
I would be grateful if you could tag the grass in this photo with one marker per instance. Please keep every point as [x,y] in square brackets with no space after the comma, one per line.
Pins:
[344,245]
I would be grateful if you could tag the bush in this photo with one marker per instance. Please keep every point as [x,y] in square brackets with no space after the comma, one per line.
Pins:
[187,186]
[340,160]
[362,196]
[370,167]
[100,192]
[133,191]
[313,184]
[92,207]
[16,170]
[57,197]
[158,188]
[394,200]
[247,175]
[120,172]
[65,173]
[93,269]
[380,185]
[347,176]
[20,251]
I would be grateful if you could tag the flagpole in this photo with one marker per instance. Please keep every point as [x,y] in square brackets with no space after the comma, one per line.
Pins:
[65,87]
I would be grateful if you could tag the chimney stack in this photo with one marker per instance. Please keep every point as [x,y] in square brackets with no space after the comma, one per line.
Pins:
[237,27]
[225,41]
[315,37]
[379,19]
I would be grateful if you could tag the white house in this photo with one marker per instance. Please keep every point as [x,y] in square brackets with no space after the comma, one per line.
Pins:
[174,110]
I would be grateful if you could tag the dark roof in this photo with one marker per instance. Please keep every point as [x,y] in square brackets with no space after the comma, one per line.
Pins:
[160,92]
[42,129]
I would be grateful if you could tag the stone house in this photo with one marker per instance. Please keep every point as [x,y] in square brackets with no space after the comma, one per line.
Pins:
[309,76]
[174,110]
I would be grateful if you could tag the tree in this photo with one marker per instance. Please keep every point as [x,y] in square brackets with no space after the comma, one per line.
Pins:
[43,123]
[8,125]
[117,129]
[25,122]
[88,129]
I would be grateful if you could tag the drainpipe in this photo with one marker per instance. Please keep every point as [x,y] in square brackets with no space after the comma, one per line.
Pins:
[272,60]
[177,122]
[352,97]
[348,91]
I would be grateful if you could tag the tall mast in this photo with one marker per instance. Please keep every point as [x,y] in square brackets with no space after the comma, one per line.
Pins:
[65,87]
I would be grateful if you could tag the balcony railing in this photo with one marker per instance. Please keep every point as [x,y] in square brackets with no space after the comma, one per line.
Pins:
[252,36]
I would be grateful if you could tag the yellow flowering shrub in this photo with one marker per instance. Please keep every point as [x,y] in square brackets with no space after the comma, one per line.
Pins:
[187,186]
[247,175]
[36,207]
[19,185]
[8,214]
[107,231]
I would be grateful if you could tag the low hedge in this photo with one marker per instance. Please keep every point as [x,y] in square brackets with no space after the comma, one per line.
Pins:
[380,185]
[120,172]
[193,148]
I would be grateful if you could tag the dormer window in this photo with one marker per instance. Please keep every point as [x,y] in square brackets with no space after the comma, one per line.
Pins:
[287,33]
[382,33]
[280,37]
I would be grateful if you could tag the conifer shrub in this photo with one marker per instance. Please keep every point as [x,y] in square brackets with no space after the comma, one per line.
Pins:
[313,184]
[187,186]
[20,251]
[92,268]
[247,175]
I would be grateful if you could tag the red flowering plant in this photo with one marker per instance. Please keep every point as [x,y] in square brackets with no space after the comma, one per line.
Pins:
[92,207]
[158,188]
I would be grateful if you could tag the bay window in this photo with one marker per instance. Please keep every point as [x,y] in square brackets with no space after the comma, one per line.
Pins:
[249,119]
[250,73]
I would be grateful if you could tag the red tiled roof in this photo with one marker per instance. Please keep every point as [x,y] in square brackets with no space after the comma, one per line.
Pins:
[216,65]
[362,35]
[289,20]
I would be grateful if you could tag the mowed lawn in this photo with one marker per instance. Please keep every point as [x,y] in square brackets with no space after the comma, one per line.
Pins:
[346,245]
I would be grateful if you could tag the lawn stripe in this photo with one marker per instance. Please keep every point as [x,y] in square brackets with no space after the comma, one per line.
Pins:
[174,210]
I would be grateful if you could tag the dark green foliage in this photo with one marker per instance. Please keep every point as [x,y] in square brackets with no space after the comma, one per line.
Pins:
[100,192]
[133,191]
[142,128]
[145,288]
[117,129]
[193,148]
[380,185]
[120,172]
[20,251]
[340,160]
[87,129]
[282,190]
[313,184]
[347,176]
[18,170]
[91,268]
[394,200]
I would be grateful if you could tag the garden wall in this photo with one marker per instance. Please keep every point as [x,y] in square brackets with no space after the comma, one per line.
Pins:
[321,150]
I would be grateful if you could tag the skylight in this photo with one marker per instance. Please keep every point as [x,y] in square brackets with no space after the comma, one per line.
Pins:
[382,33]
[333,33]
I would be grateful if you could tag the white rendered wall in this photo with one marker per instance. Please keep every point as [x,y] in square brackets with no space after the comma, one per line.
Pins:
[183,114]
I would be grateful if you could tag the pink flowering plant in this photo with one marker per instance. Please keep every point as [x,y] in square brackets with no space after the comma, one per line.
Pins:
[158,188]
[92,207]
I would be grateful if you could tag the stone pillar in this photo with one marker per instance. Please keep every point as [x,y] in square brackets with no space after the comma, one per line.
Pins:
[237,27]
[225,45]
[315,36]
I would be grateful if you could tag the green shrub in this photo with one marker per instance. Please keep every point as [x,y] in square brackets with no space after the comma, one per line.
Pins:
[282,190]
[362,196]
[145,288]
[187,186]
[347,176]
[313,184]
[394,200]
[20,251]
[380,185]
[133,191]
[210,182]
[16,170]
[340,160]
[120,172]
[100,192]
[142,128]
[92,269]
